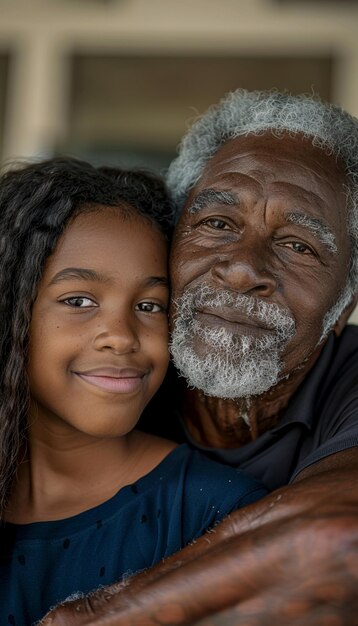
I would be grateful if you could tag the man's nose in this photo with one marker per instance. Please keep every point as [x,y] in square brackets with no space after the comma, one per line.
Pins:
[118,334]
[245,271]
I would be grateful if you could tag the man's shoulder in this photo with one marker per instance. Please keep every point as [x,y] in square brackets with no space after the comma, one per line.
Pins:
[347,343]
[322,400]
[348,339]
[342,364]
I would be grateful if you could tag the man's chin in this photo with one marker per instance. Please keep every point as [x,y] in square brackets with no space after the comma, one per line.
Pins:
[217,373]
[202,349]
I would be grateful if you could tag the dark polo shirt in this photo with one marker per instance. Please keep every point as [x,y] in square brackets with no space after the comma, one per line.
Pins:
[321,419]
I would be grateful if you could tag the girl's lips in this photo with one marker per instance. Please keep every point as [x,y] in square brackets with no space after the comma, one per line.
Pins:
[127,381]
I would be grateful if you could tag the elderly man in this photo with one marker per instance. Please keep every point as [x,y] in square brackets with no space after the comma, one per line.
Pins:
[264,268]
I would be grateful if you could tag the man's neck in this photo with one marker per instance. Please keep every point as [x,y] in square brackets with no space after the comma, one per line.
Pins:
[225,423]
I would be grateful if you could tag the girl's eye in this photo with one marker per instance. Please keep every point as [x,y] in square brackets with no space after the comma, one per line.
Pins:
[150,307]
[80,302]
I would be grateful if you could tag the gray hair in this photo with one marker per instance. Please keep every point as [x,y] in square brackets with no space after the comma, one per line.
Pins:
[242,113]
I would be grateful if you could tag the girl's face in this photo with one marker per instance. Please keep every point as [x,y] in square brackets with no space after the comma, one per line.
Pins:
[99,333]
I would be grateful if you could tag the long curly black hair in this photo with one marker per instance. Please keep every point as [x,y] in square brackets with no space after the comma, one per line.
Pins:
[36,202]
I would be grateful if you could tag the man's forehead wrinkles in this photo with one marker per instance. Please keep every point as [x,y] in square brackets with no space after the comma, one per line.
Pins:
[316,226]
[212,196]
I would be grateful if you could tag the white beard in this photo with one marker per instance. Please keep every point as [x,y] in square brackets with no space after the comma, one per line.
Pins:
[237,366]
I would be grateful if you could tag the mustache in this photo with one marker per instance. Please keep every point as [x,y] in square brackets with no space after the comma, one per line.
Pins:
[273,316]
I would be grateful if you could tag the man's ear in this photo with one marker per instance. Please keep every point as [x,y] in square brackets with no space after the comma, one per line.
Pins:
[343,319]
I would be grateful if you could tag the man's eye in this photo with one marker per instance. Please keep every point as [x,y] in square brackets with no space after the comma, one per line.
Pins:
[150,307]
[216,223]
[299,247]
[80,302]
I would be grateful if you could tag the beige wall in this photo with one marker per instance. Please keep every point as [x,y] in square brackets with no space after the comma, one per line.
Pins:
[41,34]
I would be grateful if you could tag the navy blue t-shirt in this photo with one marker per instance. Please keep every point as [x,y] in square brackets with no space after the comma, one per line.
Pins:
[41,564]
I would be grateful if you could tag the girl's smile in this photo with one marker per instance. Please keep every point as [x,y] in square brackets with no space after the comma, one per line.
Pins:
[114,380]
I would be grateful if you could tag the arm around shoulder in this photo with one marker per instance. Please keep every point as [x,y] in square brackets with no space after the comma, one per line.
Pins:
[290,558]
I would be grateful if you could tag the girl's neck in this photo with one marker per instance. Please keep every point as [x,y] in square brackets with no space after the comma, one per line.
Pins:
[56,482]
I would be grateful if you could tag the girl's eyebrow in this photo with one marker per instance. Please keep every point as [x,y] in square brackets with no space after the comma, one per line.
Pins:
[79,273]
[152,281]
[69,273]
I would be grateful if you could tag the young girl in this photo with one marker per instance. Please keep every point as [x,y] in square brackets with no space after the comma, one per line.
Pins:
[85,498]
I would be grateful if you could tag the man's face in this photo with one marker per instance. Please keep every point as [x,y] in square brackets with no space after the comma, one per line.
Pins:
[260,254]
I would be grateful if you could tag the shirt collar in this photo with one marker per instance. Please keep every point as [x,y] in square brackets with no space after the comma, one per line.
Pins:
[301,408]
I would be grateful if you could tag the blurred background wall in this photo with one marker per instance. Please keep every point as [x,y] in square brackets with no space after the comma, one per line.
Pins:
[118,81]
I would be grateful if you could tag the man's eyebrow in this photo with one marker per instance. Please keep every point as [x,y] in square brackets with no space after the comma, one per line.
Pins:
[79,273]
[212,196]
[317,227]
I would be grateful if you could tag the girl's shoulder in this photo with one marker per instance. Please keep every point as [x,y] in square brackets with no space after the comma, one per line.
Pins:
[149,450]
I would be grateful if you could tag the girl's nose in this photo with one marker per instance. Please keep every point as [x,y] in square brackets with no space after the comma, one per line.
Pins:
[117,334]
